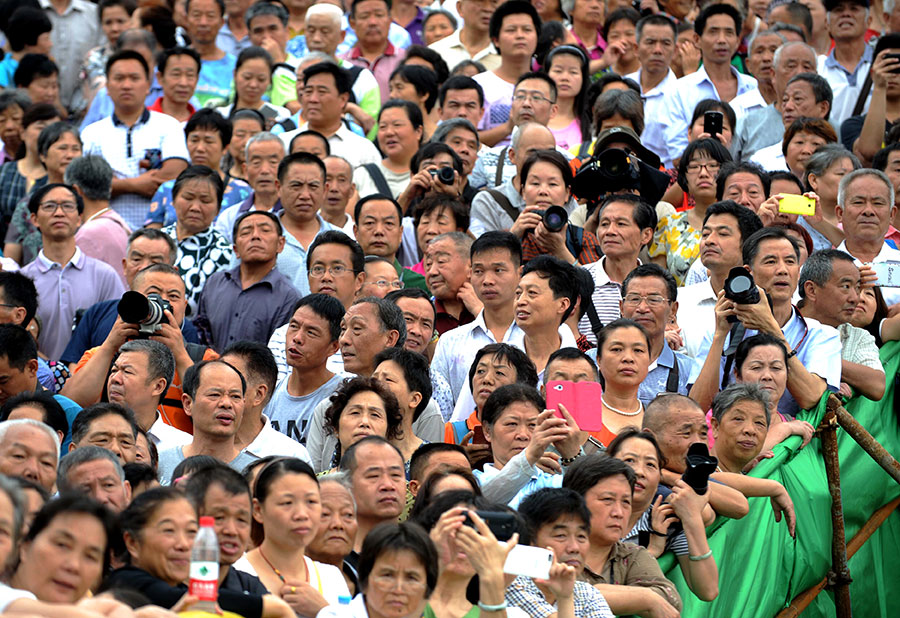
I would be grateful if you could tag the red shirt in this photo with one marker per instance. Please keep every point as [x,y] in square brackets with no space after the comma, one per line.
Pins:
[157,107]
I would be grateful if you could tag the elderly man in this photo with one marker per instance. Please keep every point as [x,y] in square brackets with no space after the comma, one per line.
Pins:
[338,190]
[29,449]
[850,59]
[96,472]
[829,292]
[448,274]
[371,20]
[473,40]
[865,209]
[760,64]
[107,425]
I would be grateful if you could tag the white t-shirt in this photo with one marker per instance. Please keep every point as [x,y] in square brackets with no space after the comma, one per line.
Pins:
[8,595]
[326,579]
[365,185]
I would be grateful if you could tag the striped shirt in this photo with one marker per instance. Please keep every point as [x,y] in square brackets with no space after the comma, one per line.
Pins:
[606,297]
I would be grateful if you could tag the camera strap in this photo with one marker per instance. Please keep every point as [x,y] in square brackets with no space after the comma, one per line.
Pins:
[504,203]
[378,178]
[734,340]
[593,317]
[498,177]
[674,377]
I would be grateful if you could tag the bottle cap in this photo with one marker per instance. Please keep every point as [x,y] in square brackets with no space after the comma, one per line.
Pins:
[207,522]
[344,599]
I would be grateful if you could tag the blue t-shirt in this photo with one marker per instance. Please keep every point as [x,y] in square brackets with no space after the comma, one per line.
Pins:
[7,68]
[71,409]
[216,81]
[162,209]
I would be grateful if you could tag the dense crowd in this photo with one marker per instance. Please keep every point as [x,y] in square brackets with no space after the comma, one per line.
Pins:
[397,295]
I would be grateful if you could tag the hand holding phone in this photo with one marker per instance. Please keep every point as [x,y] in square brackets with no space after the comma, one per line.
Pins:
[528,561]
[713,122]
[888,274]
[581,400]
[792,204]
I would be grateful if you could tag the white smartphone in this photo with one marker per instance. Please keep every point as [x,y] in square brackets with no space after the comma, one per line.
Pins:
[888,274]
[528,561]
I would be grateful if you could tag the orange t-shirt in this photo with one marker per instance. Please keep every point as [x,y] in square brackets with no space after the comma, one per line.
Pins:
[471,423]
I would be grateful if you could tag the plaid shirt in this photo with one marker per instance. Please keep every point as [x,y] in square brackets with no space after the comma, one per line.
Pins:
[525,595]
[590,247]
[13,188]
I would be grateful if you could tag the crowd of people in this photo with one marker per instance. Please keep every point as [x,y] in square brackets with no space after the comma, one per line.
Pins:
[320,272]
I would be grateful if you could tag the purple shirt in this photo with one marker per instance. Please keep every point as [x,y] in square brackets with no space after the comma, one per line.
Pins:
[63,290]
[416,27]
[382,67]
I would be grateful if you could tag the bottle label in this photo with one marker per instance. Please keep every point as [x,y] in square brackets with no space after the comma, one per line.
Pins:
[204,582]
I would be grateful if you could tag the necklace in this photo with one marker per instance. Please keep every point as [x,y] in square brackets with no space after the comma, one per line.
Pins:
[276,571]
[622,412]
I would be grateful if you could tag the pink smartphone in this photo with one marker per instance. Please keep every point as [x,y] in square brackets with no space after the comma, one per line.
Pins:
[581,399]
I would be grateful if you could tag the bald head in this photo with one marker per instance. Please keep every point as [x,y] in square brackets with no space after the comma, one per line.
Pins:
[677,422]
[526,139]
[792,58]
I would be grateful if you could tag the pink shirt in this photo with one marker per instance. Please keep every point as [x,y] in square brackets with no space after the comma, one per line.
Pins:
[105,237]
[595,49]
[568,137]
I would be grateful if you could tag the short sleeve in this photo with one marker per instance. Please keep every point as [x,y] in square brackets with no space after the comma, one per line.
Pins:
[172,141]
[659,245]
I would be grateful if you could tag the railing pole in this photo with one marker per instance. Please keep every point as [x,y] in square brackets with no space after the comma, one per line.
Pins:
[865,440]
[839,577]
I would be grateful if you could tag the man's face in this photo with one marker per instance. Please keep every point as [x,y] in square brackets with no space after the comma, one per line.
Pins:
[303,191]
[218,405]
[170,287]
[893,167]
[532,102]
[656,48]
[762,55]
[683,425]
[343,286]
[618,233]
[205,147]
[127,84]
[379,231]
[837,299]
[371,21]
[362,338]
[569,539]
[381,279]
[257,240]
[867,212]
[129,382]
[445,269]
[792,61]
[477,13]
[379,482]
[113,433]
[261,166]
[308,342]
[847,21]
[338,184]
[494,277]
[419,316]
[652,318]
[10,312]
[143,252]
[30,453]
[323,34]
[535,305]
[746,189]
[511,431]
[462,104]
[100,480]
[518,38]
[57,215]
[719,40]
[720,243]
[570,370]
[14,381]
[321,102]
[233,516]
[799,101]
[776,269]
[268,27]
[179,79]
[465,144]
[204,20]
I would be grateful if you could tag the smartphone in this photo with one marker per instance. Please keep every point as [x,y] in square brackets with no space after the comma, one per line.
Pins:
[712,123]
[154,156]
[888,274]
[501,524]
[797,205]
[897,56]
[581,399]
[478,435]
[528,561]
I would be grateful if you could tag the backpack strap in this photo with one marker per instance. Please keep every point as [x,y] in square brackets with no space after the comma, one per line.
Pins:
[674,376]
[288,125]
[353,73]
[504,203]
[498,177]
[379,179]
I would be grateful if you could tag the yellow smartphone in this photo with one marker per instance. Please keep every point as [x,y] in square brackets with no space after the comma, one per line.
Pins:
[796,205]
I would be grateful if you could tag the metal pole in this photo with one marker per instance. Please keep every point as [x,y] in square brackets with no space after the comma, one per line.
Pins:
[839,577]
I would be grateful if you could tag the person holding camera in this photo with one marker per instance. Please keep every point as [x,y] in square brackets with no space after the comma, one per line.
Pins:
[436,170]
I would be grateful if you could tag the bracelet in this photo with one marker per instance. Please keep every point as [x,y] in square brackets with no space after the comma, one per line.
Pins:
[663,534]
[792,354]
[565,461]
[492,608]
[701,556]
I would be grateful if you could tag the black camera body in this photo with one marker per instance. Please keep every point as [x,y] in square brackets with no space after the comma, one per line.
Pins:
[700,464]
[444,174]
[610,171]
[741,288]
[148,312]
[554,218]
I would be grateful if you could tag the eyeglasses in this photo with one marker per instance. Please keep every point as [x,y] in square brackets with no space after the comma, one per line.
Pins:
[654,301]
[711,166]
[534,97]
[50,207]
[384,283]
[335,271]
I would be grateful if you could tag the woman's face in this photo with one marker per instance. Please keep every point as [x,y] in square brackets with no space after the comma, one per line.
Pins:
[164,546]
[364,415]
[826,185]
[511,431]
[31,132]
[11,128]
[438,221]
[565,70]
[609,502]
[337,525]
[437,28]
[697,128]
[865,308]
[800,149]
[403,90]
[8,532]
[396,585]
[61,153]
[640,455]
[114,21]
[491,373]
[244,129]
[765,366]
[196,206]
[396,135]
[544,186]
[65,561]
[547,9]
[701,176]
[251,80]
[292,510]
[741,432]
[625,357]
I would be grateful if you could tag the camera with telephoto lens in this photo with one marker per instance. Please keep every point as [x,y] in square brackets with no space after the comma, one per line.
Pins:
[611,171]
[700,464]
[148,312]
[445,174]
[554,218]
[740,288]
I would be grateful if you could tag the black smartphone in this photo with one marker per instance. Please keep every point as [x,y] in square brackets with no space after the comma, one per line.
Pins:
[897,56]
[501,524]
[712,123]
[154,156]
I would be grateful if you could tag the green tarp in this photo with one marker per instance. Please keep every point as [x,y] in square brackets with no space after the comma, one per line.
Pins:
[761,568]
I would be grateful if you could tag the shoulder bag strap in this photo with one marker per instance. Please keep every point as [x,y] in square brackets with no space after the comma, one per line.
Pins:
[379,179]
[504,203]
[498,177]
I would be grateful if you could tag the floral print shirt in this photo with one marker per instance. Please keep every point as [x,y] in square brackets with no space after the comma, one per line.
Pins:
[676,239]
[199,256]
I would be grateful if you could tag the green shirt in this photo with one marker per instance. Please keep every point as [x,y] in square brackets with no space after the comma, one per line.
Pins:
[410,278]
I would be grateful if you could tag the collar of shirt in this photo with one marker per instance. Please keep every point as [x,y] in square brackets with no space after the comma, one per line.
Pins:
[832,63]
[665,359]
[702,76]
[599,43]
[480,324]
[145,116]
[601,277]
[324,226]
[45,263]
[659,89]
[234,275]
[389,50]
[885,254]
[157,106]
[206,238]
[260,439]
[74,5]
[514,196]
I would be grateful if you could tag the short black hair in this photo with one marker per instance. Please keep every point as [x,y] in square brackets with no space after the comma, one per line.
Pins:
[880,161]
[643,214]
[315,134]
[271,216]
[526,372]
[413,113]
[440,201]
[193,465]
[439,66]
[423,454]
[260,363]
[299,158]
[787,177]
[560,277]
[17,345]
[25,26]
[326,307]
[192,377]
[587,471]
[653,270]
[507,395]
[220,3]
[75,503]
[550,504]
[19,291]
[718,9]
[741,167]
[748,221]
[37,112]
[586,285]
[357,211]
[127,54]
[54,415]
[623,13]
[31,67]
[513,7]
[565,354]
[199,483]
[415,371]
[393,537]
[82,423]
[714,105]
[713,148]
[341,76]
[199,172]
[209,120]
[422,79]
[429,150]
[461,82]
[162,58]
[497,239]
[750,246]
[542,76]
[655,19]
[796,10]
[336,237]
[37,196]
[355,2]
[137,473]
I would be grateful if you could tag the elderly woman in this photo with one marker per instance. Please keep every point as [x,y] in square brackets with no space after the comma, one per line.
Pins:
[740,421]
[12,106]
[334,539]
[202,250]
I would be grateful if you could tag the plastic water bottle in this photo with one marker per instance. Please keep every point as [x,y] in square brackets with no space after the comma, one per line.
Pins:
[204,581]
[343,607]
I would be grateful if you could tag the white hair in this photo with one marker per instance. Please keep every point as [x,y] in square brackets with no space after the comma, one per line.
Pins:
[262,136]
[328,10]
[7,426]
[866,171]
[782,48]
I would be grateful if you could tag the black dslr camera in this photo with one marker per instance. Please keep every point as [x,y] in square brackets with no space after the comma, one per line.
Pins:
[554,218]
[740,288]
[700,464]
[443,174]
[148,312]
